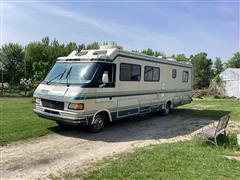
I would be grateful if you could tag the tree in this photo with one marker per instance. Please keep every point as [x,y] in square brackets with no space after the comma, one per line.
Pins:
[201,70]
[37,58]
[93,45]
[218,66]
[70,47]
[158,53]
[234,62]
[12,58]
[148,51]
[81,47]
[41,56]
[181,58]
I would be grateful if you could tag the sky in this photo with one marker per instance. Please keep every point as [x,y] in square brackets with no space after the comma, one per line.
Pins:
[173,27]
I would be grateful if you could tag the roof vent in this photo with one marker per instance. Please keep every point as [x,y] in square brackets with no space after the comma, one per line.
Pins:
[100,52]
[171,59]
[81,53]
[111,46]
[160,57]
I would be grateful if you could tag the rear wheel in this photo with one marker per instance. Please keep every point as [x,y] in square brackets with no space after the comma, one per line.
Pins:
[98,123]
[166,111]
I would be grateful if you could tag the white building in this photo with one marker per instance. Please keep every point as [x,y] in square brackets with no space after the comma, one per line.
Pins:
[231,80]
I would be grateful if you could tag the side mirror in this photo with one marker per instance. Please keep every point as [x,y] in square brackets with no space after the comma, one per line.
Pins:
[105,78]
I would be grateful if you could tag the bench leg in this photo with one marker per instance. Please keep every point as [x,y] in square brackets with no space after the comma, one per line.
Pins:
[215,141]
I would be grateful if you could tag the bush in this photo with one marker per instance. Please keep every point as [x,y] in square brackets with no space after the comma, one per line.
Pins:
[207,92]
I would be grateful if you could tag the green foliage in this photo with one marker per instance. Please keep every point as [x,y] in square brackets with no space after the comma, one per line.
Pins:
[150,52]
[234,62]
[94,45]
[181,58]
[12,58]
[41,56]
[218,66]
[202,72]
[218,81]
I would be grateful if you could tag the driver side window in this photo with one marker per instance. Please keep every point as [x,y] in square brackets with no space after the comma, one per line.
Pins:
[110,69]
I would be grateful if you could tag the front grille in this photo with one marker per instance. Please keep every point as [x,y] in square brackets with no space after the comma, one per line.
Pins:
[52,104]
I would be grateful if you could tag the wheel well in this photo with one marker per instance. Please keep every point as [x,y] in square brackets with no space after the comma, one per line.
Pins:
[169,103]
[106,115]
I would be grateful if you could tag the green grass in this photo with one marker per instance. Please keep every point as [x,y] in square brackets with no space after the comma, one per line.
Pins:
[19,122]
[212,108]
[183,160]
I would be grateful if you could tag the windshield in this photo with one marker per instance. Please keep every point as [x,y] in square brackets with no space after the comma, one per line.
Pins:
[71,73]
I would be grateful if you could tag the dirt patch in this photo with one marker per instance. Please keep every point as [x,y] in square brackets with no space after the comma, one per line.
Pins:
[73,149]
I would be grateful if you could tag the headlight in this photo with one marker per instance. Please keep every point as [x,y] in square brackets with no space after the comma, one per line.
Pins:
[76,106]
[38,101]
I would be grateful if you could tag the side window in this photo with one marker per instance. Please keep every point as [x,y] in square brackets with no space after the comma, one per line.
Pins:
[110,69]
[130,72]
[185,76]
[151,73]
[174,73]
[148,73]
[156,74]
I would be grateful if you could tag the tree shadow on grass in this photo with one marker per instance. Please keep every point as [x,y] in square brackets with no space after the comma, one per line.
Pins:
[213,114]
[148,127]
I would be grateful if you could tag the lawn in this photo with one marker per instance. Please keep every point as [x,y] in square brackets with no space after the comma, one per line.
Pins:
[182,160]
[213,108]
[19,122]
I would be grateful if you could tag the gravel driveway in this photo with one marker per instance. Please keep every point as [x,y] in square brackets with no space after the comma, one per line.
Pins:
[73,149]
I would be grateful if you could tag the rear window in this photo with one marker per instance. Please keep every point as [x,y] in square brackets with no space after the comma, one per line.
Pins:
[185,76]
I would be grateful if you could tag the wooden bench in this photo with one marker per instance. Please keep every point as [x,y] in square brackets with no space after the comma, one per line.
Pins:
[213,132]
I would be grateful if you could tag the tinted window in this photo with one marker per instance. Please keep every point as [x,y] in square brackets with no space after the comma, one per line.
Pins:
[130,72]
[151,73]
[148,73]
[109,68]
[156,74]
[174,73]
[72,73]
[185,76]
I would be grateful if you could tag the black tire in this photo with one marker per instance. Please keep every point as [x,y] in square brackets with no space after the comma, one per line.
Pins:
[98,123]
[63,126]
[167,109]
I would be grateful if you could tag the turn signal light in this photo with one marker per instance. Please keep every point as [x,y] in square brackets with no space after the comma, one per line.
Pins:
[76,106]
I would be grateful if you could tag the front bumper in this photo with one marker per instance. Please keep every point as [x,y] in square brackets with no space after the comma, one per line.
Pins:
[62,118]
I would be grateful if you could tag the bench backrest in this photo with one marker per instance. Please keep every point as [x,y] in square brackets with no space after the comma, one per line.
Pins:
[223,122]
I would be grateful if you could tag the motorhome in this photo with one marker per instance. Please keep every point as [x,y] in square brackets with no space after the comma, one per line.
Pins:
[91,87]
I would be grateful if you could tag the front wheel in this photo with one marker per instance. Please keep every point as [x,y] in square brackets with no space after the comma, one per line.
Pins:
[98,123]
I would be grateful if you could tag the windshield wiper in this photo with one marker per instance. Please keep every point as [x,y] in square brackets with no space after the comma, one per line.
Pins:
[61,76]
[68,73]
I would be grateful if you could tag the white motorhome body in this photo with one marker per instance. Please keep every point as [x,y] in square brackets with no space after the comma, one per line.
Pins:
[92,86]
